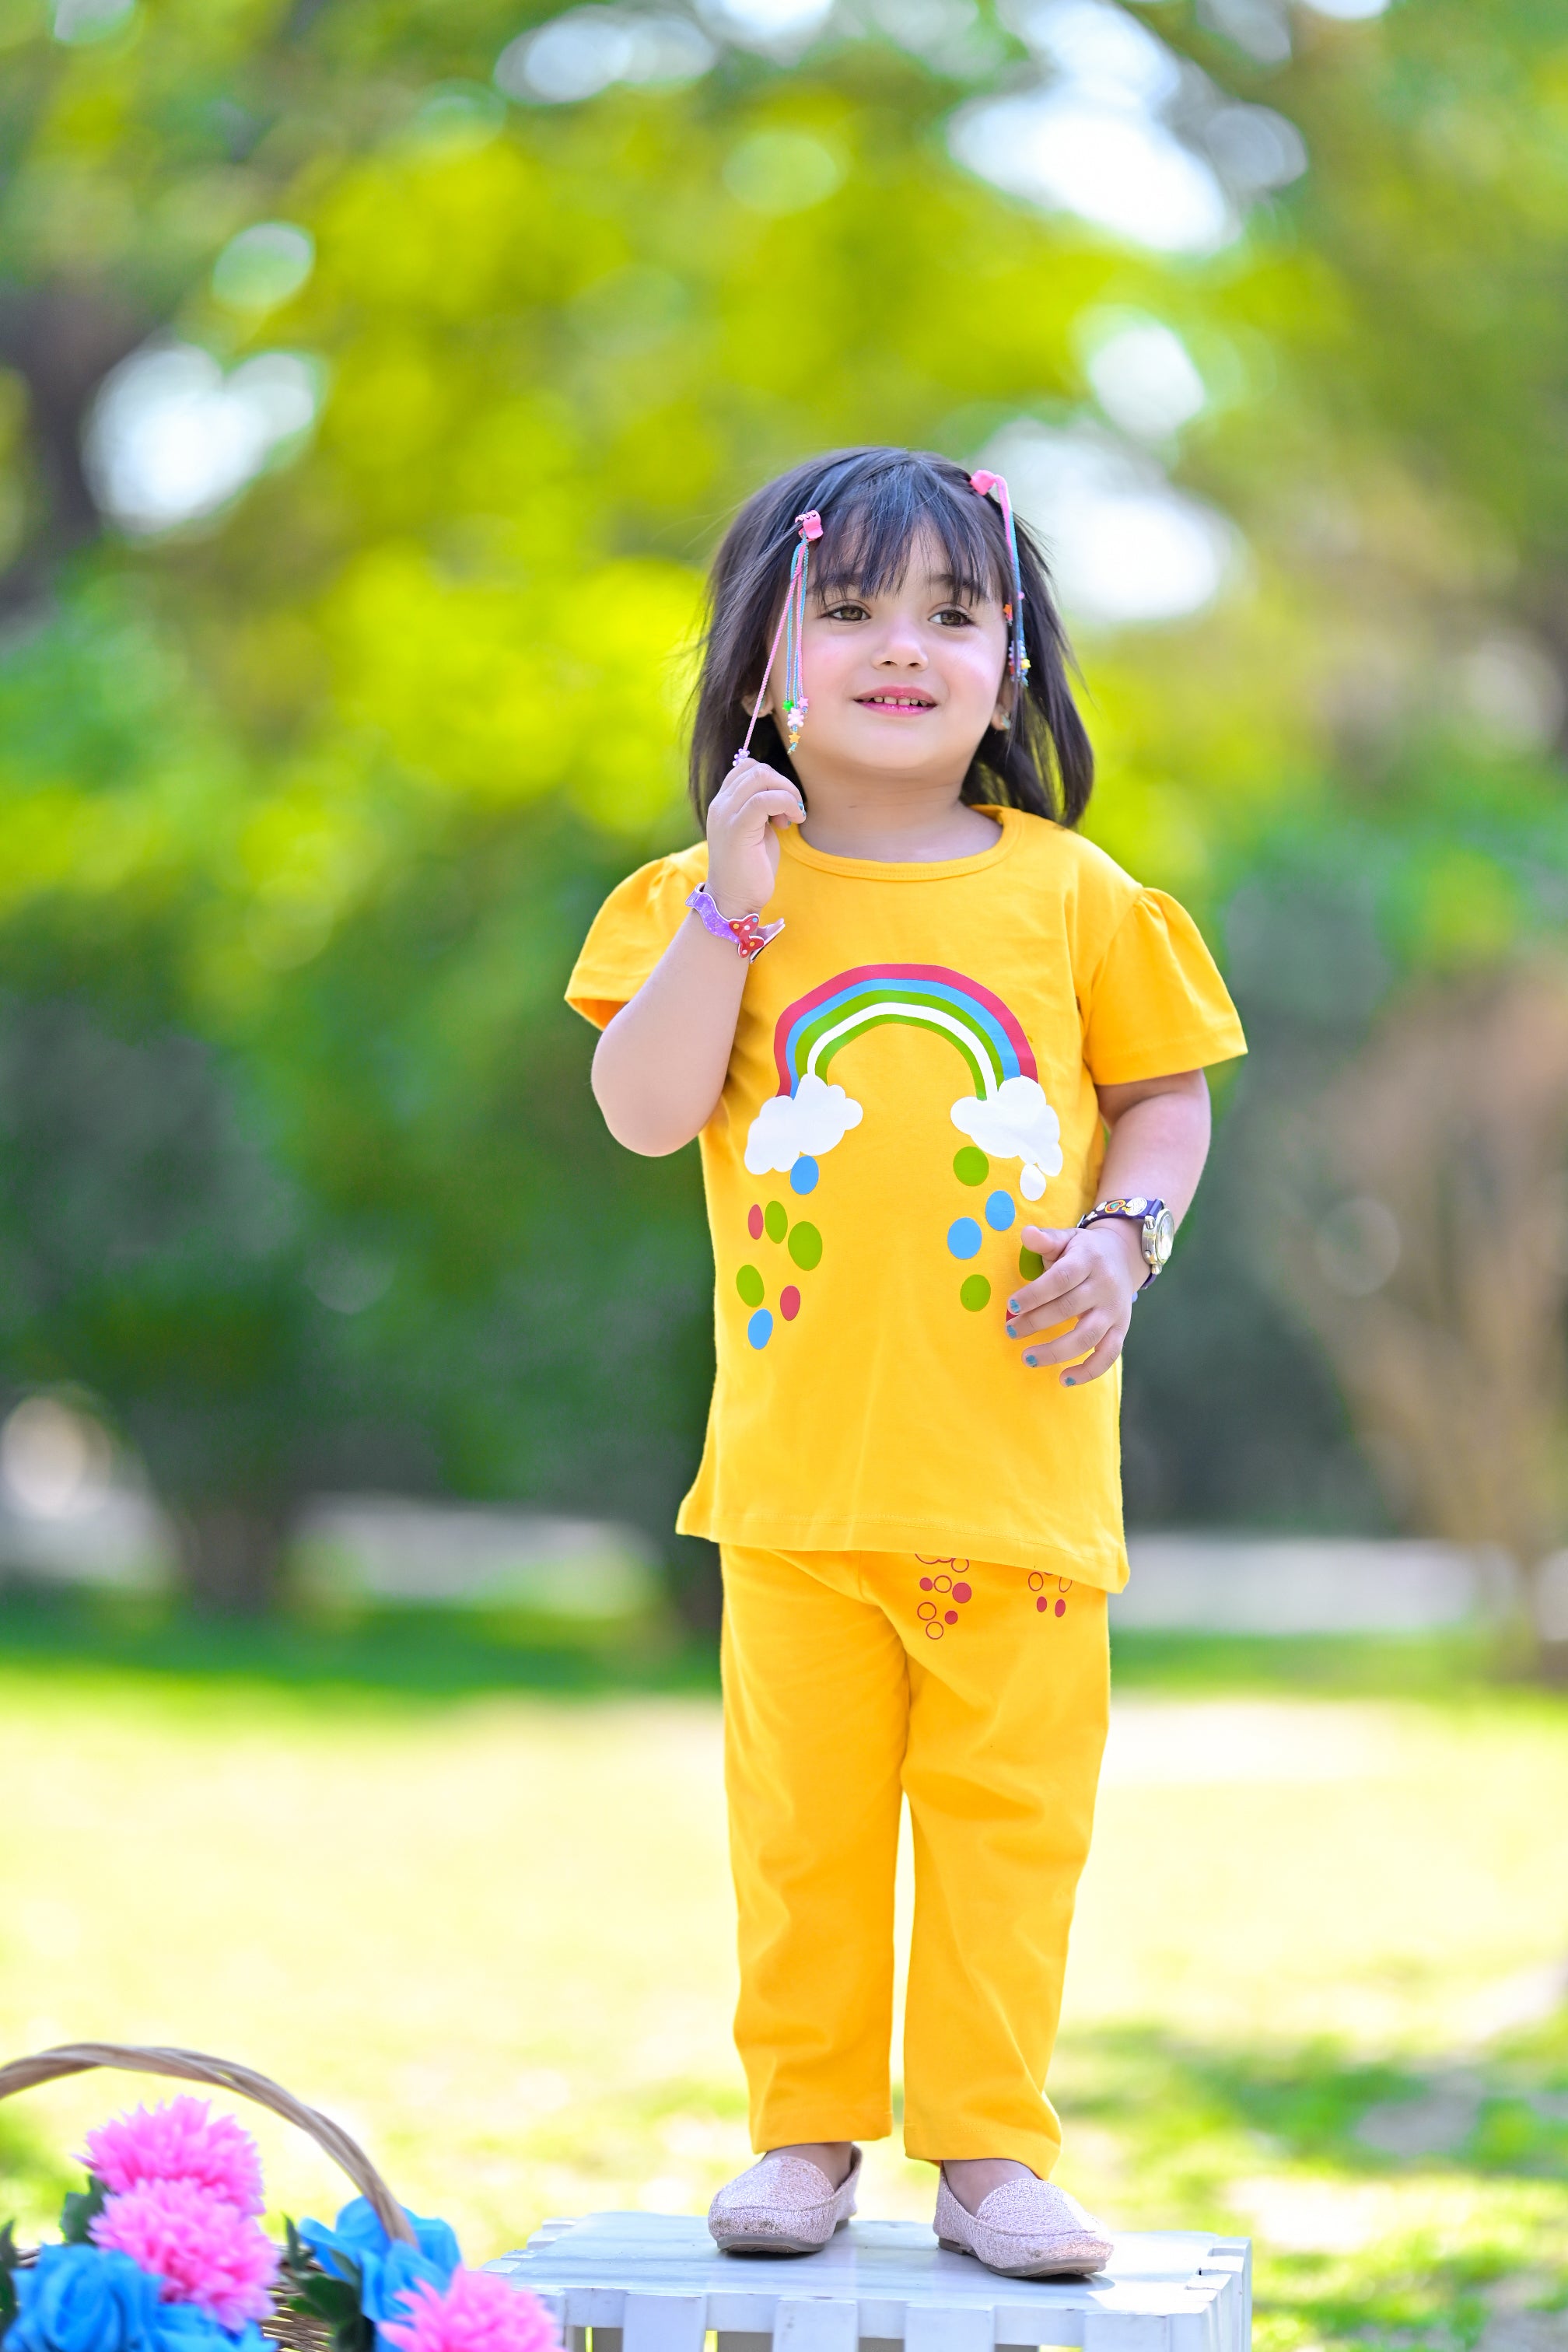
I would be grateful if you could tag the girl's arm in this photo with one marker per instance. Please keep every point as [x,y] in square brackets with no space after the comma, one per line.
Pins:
[659,1069]
[1159,1141]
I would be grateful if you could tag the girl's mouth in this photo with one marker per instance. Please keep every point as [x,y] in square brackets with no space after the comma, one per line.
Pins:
[896,700]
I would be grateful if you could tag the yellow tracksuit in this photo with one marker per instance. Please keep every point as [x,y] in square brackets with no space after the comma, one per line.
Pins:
[916,1080]
[852,1679]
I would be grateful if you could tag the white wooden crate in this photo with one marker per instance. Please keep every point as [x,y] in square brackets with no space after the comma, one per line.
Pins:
[656,2283]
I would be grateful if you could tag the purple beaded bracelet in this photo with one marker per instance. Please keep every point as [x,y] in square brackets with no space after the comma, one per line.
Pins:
[748,934]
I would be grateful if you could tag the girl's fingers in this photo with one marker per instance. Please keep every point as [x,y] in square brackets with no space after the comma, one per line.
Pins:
[1085,1298]
[1048,1320]
[755,778]
[739,790]
[1100,1359]
[1048,1241]
[1072,1268]
[742,781]
[768,801]
[1084,1335]
[1079,1279]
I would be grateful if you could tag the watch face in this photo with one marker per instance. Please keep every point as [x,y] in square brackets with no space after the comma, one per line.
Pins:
[1159,1237]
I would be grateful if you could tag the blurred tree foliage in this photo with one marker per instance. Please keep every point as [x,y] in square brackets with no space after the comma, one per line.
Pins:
[306,805]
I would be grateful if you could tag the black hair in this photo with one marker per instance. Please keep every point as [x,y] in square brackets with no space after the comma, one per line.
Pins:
[873,503]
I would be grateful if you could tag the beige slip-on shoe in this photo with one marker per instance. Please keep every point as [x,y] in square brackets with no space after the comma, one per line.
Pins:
[782,2205]
[1025,2229]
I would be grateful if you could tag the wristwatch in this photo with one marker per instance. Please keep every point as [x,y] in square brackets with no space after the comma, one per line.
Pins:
[1157,1236]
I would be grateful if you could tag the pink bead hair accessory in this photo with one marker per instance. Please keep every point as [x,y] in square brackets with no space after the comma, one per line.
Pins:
[792,620]
[748,934]
[988,485]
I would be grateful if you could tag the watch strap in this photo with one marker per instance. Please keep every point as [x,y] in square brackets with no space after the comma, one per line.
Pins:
[1140,1210]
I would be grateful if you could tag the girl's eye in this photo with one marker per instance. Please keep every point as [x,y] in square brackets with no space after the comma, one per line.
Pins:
[845,613]
[955,616]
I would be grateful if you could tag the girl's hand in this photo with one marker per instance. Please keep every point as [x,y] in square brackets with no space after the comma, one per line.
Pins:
[1093,1275]
[748,811]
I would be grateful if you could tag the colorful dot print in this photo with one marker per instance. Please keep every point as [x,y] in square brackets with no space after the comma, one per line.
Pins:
[802,1176]
[805,1245]
[966,1236]
[1040,1587]
[1030,1263]
[934,1613]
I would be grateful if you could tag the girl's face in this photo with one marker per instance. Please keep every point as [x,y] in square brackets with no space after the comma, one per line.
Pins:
[903,683]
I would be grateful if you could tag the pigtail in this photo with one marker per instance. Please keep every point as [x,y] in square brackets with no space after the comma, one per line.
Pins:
[1044,762]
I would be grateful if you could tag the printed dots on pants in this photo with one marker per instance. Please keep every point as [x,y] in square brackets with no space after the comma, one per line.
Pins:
[952,1588]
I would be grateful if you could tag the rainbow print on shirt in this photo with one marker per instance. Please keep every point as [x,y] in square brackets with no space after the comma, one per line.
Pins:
[1006,1114]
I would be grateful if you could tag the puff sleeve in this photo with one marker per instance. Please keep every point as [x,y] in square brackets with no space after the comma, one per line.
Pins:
[628,935]
[1157,1003]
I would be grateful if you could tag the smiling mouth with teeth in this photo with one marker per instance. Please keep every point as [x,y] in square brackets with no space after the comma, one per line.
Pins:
[898,702]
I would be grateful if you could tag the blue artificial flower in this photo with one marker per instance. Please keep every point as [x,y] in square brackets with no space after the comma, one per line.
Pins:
[184,2327]
[84,2298]
[386,2271]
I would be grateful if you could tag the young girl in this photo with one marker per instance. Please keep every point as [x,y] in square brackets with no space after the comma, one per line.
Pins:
[945,1060]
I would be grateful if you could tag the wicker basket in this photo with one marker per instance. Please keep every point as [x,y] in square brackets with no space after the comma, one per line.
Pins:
[296,2330]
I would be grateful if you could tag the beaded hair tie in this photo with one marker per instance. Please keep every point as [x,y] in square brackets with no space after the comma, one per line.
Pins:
[1018,652]
[792,621]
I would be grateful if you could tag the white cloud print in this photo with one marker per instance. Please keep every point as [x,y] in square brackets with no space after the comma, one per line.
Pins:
[813,1119]
[1016,1123]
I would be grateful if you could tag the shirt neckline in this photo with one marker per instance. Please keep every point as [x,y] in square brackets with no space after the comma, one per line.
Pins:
[875,869]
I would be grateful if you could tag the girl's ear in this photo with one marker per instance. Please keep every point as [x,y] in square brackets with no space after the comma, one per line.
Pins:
[1002,717]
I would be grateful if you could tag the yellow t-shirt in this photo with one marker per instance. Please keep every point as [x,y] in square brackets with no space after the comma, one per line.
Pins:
[913,1081]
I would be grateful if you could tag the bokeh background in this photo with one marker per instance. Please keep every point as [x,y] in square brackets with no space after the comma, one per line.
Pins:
[375,378]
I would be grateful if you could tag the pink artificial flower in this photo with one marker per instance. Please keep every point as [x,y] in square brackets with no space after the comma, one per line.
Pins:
[475,2312]
[180,2141]
[202,2250]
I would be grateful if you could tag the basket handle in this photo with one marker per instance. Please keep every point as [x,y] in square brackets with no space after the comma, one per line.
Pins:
[221,2074]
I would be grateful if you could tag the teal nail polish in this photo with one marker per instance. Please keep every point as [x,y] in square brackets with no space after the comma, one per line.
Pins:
[1032,1361]
[1069,1382]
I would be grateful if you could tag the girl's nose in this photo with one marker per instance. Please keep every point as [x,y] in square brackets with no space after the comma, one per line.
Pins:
[902,645]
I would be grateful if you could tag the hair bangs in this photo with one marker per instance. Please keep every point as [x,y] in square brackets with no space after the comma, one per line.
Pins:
[873,529]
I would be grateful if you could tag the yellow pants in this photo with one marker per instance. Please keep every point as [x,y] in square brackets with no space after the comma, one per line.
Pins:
[852,1679]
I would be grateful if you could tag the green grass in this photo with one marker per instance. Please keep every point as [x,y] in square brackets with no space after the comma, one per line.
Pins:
[471,1897]
[1395,2202]
[1445,1666]
[407,1656]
